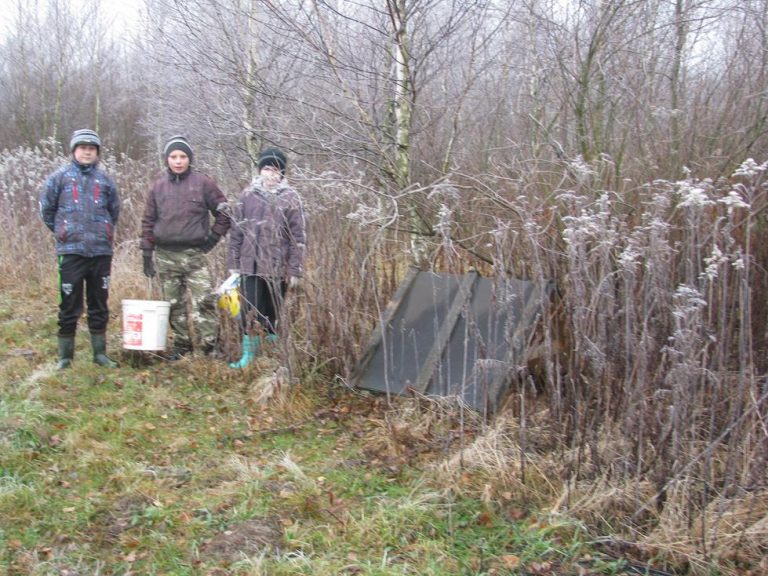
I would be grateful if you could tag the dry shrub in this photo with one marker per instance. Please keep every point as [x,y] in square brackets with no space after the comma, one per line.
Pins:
[273,384]
[421,425]
[605,503]
[731,531]
[495,459]
[26,245]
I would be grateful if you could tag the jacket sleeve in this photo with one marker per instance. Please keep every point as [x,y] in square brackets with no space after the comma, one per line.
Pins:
[297,237]
[217,204]
[114,202]
[49,202]
[148,221]
[235,239]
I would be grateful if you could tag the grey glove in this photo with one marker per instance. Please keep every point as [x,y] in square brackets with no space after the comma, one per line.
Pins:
[149,265]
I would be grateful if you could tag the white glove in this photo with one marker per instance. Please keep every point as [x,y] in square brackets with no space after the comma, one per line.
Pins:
[294,282]
[230,283]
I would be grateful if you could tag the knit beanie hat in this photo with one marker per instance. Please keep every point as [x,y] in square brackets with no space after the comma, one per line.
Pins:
[177,143]
[272,157]
[84,136]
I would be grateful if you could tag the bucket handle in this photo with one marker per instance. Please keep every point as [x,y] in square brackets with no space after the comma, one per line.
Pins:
[150,288]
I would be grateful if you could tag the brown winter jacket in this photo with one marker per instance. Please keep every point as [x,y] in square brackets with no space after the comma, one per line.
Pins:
[268,235]
[178,209]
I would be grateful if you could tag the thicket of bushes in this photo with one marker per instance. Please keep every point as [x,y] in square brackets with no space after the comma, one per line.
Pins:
[652,399]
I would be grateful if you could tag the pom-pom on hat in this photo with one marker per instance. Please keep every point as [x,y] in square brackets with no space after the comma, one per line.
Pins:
[177,143]
[84,136]
[272,157]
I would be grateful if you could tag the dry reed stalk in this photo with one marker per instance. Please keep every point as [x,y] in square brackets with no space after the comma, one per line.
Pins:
[495,458]
[607,502]
[273,384]
[731,532]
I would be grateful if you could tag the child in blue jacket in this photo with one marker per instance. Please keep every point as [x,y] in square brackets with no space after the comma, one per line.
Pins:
[80,205]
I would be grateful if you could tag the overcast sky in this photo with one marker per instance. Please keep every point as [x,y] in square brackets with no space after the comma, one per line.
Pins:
[123,13]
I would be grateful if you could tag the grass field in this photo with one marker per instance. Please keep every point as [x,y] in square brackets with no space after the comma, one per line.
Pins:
[191,468]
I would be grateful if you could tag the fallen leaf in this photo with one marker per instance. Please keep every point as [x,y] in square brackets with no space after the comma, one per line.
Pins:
[485,520]
[510,561]
[541,567]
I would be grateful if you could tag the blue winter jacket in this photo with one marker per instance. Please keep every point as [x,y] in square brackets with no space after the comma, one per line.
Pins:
[80,205]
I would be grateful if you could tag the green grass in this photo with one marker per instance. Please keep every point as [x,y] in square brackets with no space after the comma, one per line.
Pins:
[175,469]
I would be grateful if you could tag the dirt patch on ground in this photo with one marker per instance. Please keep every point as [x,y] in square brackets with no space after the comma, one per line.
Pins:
[251,538]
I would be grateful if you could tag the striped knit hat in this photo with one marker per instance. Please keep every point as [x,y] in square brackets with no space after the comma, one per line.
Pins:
[272,157]
[177,143]
[84,136]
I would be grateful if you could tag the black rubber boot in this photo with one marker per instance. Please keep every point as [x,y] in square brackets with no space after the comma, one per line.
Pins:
[99,345]
[66,351]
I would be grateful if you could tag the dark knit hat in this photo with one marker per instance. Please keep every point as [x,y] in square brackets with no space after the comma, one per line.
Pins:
[177,143]
[272,157]
[84,136]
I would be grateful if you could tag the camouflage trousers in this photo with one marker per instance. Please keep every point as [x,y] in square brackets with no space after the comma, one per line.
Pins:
[185,282]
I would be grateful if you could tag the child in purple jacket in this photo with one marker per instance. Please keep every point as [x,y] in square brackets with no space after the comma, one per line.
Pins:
[267,247]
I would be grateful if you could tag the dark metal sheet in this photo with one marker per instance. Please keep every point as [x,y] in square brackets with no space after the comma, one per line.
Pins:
[450,335]
[488,342]
[409,334]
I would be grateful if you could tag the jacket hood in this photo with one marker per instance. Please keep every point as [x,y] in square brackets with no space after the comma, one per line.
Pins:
[257,186]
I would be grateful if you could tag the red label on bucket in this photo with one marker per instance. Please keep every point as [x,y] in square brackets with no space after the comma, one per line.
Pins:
[132,331]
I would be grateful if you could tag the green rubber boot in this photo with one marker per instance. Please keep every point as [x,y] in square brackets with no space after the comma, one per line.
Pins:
[250,349]
[99,345]
[66,351]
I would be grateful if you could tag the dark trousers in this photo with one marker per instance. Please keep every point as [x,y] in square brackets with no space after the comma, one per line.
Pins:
[265,297]
[78,274]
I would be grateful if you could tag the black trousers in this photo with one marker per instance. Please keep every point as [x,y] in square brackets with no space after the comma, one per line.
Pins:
[265,297]
[78,275]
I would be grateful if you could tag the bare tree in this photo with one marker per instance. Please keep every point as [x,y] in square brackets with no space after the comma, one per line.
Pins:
[62,70]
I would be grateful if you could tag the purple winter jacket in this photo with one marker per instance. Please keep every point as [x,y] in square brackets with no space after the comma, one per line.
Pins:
[268,236]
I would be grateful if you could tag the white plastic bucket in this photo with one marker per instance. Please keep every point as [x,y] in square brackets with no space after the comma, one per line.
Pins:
[145,324]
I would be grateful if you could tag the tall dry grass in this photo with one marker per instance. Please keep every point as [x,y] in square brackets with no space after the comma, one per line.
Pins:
[652,392]
[661,387]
